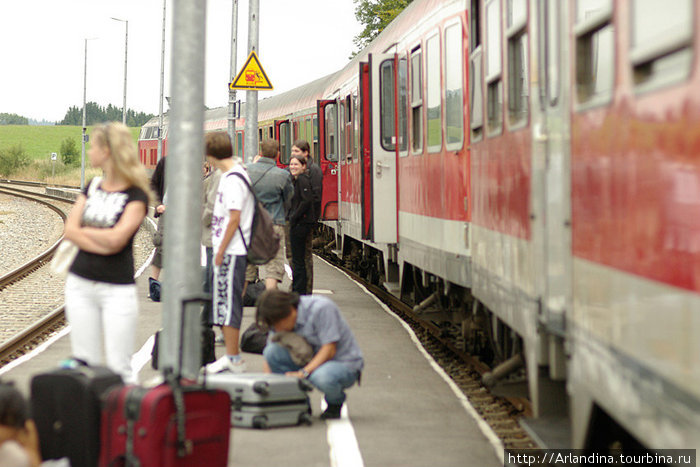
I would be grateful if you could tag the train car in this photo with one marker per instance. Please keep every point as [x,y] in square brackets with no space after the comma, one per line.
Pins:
[526,173]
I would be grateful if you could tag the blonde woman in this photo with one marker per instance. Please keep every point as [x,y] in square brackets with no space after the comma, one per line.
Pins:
[101,300]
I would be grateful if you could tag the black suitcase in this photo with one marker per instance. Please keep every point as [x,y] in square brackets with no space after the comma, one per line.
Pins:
[66,407]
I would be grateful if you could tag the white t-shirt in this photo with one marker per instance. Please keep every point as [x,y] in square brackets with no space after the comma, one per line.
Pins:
[233,194]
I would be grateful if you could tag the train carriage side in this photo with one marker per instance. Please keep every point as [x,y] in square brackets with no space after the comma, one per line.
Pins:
[635,146]
[404,214]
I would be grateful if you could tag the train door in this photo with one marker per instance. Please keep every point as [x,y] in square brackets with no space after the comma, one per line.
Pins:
[379,138]
[327,111]
[282,135]
[551,140]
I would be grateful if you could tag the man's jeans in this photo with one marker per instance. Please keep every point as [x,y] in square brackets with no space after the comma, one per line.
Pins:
[331,378]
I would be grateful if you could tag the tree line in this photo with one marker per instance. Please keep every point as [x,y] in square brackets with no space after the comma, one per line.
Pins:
[95,114]
[13,119]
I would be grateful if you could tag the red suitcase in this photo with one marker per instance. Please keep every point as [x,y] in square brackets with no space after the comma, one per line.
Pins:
[143,427]
[175,424]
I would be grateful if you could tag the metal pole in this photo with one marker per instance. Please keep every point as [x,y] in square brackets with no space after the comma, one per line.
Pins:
[126,48]
[162,86]
[82,157]
[232,92]
[182,268]
[251,97]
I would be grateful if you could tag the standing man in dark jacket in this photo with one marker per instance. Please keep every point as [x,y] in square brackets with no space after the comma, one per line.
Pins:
[301,148]
[273,188]
[158,187]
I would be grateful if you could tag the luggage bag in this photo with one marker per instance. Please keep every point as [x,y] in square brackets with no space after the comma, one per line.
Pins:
[175,424]
[262,400]
[65,405]
[144,427]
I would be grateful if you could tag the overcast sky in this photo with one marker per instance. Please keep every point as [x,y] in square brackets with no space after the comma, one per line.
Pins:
[42,50]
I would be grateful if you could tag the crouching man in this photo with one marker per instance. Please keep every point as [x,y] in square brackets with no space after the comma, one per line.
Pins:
[337,360]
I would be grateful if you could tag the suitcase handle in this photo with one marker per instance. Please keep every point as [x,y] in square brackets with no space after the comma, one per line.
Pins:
[184,446]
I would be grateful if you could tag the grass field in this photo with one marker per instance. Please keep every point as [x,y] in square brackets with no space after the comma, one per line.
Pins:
[38,143]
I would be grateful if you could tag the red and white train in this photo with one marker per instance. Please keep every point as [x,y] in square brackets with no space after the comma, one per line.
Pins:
[530,171]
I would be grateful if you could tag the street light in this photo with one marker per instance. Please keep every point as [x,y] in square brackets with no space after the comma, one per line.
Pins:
[82,157]
[126,47]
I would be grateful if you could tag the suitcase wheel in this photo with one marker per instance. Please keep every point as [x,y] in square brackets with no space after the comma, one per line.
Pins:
[305,419]
[260,421]
[305,385]
[262,388]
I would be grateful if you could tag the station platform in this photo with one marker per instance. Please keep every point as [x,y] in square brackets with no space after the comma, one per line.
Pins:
[406,412]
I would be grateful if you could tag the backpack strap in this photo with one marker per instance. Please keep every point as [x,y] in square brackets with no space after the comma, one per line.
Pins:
[255,202]
[263,175]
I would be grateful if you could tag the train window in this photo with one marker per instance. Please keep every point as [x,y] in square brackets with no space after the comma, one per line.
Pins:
[309,130]
[476,79]
[454,133]
[271,132]
[386,109]
[285,142]
[317,155]
[661,42]
[518,77]
[475,21]
[331,133]
[356,128]
[494,89]
[552,73]
[349,134]
[476,94]
[517,13]
[595,64]
[434,98]
[493,33]
[416,100]
[341,129]
[403,106]
[239,143]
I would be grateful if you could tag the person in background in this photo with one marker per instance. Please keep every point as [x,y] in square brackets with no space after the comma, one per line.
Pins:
[337,361]
[231,222]
[301,220]
[158,187]
[273,188]
[101,299]
[19,439]
[210,183]
[301,147]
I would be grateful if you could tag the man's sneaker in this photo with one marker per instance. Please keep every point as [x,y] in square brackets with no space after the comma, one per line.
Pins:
[225,364]
[332,412]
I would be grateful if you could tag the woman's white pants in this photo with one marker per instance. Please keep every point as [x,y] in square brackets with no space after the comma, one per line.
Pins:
[103,320]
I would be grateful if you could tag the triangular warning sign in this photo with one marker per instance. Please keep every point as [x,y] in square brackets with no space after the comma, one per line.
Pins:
[252,76]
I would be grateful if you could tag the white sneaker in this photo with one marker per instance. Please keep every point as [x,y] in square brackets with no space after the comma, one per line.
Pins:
[225,364]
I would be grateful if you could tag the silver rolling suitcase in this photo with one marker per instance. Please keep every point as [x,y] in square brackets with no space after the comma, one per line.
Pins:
[262,400]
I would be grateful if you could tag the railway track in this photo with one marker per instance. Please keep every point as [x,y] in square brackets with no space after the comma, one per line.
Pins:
[501,413]
[37,332]
[46,323]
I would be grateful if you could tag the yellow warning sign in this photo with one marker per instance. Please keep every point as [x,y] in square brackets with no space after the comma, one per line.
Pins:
[252,76]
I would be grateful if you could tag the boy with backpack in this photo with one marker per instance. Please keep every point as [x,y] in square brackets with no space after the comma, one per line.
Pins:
[231,226]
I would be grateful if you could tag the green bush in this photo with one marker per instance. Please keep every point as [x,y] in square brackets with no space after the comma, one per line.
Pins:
[70,155]
[12,159]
